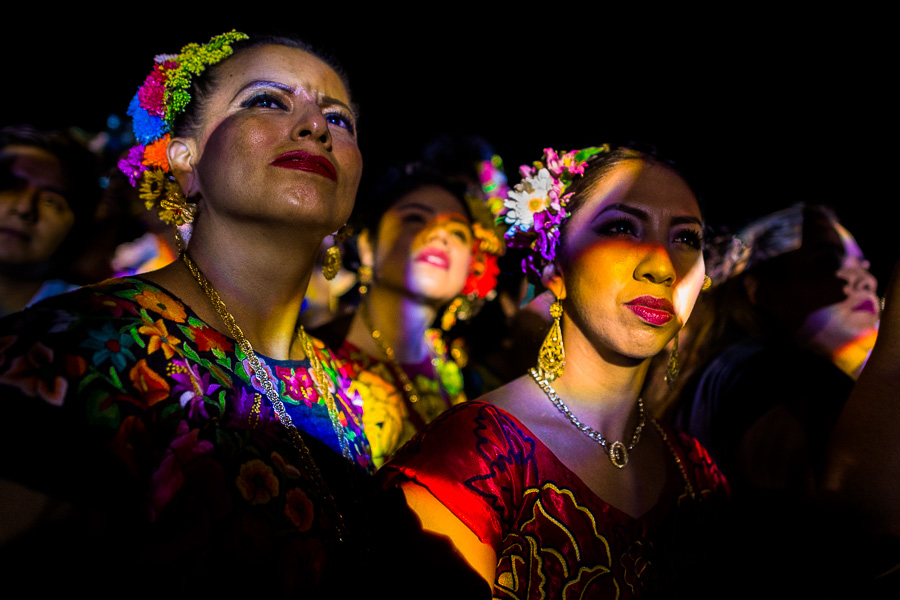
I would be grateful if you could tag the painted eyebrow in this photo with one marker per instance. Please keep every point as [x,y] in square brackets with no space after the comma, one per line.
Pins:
[258,83]
[640,214]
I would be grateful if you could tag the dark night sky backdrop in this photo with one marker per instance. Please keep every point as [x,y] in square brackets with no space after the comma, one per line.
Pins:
[766,109]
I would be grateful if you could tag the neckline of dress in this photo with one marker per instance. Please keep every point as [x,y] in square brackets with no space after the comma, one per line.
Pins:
[670,488]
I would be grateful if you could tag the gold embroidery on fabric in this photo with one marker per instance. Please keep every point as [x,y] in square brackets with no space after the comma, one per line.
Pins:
[598,571]
[582,509]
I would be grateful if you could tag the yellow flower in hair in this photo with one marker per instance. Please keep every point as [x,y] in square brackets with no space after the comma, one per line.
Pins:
[153,187]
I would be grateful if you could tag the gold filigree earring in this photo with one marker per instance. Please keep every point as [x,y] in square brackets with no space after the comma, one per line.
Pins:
[332,263]
[707,283]
[552,357]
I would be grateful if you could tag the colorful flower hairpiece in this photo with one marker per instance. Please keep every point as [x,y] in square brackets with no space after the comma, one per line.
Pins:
[160,99]
[535,210]
[488,246]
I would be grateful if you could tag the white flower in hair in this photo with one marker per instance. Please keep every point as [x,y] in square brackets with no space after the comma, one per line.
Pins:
[530,196]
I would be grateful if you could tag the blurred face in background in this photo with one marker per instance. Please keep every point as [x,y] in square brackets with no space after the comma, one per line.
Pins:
[424,245]
[824,291]
[35,216]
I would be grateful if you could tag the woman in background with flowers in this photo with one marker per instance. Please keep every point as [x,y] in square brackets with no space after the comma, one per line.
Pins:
[200,439]
[425,246]
[557,485]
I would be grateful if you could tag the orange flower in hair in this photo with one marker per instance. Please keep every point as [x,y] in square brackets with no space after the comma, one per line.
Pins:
[155,154]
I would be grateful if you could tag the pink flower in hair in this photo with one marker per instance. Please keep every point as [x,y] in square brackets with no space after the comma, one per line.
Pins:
[152,94]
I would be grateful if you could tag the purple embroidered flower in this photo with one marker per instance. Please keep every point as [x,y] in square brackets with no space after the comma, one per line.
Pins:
[185,448]
[192,387]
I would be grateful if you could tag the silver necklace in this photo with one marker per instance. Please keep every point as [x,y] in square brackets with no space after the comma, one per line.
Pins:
[617,451]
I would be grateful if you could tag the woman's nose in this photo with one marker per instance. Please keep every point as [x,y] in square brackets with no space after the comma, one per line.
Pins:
[859,276]
[439,233]
[313,124]
[655,266]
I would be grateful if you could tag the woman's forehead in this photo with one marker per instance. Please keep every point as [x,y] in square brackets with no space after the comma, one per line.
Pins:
[430,198]
[292,68]
[646,186]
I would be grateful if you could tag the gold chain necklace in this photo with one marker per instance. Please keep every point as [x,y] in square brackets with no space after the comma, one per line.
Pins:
[617,451]
[265,381]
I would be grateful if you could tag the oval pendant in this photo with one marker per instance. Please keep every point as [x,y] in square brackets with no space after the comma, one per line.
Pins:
[618,454]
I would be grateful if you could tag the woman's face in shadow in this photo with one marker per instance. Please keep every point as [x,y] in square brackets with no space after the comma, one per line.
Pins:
[824,291]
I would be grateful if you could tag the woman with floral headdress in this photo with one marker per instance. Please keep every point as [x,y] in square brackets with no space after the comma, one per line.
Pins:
[557,485]
[428,253]
[200,439]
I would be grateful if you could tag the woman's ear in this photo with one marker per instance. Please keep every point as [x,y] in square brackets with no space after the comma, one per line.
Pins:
[552,278]
[181,154]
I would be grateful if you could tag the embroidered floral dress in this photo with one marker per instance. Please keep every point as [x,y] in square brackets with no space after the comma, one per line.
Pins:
[389,417]
[554,538]
[118,399]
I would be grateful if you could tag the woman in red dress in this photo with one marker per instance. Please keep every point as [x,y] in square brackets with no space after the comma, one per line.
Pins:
[558,485]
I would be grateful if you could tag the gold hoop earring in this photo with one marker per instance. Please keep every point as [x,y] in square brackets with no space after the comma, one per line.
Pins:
[707,283]
[364,277]
[332,263]
[552,356]
[672,368]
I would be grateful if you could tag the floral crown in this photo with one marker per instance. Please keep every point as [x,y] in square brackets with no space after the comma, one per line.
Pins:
[488,246]
[162,97]
[483,203]
[535,210]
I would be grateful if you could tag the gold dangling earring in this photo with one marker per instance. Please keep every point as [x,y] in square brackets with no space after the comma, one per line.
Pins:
[364,277]
[552,357]
[672,368]
[707,283]
[332,263]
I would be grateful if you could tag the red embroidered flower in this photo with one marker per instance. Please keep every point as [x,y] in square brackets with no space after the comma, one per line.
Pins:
[208,339]
[299,509]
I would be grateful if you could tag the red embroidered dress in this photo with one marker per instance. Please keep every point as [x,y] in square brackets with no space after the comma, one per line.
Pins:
[554,538]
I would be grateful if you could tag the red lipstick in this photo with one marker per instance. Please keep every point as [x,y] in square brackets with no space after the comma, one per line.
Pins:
[866,306]
[434,257]
[306,161]
[653,310]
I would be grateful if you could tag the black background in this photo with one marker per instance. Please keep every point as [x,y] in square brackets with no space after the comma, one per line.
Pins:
[767,108]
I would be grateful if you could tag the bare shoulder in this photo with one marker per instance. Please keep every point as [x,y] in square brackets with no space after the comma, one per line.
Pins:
[509,396]
[524,400]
